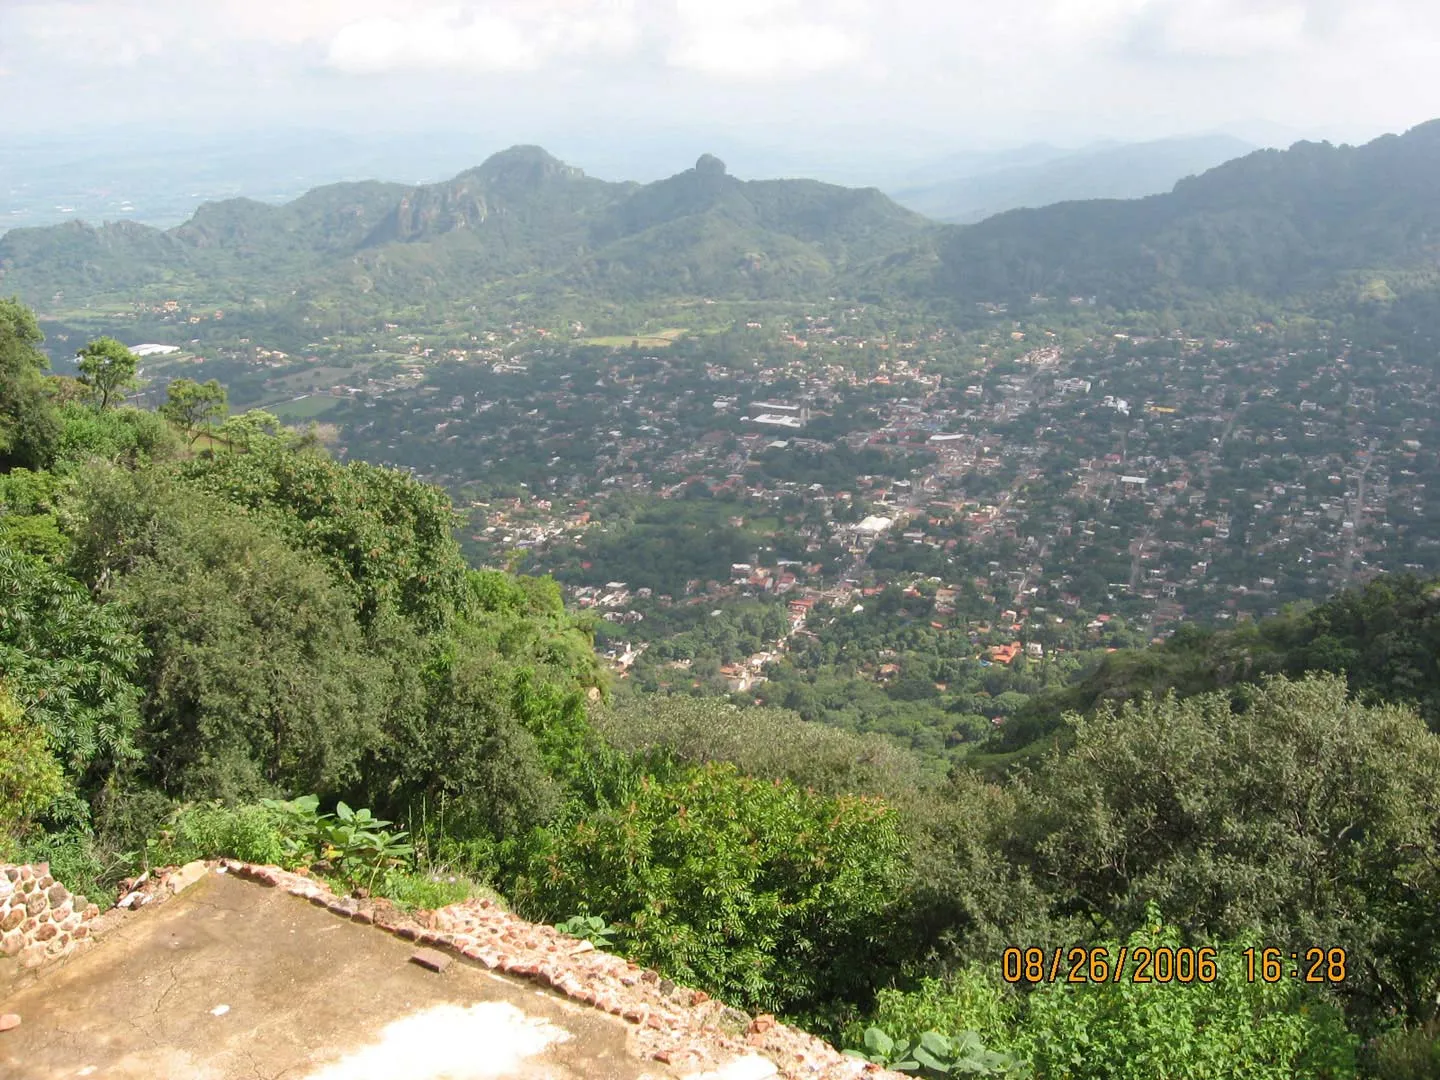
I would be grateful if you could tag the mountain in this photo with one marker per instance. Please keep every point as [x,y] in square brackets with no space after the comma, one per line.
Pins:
[525,228]
[521,221]
[1272,224]
[1039,176]
[159,177]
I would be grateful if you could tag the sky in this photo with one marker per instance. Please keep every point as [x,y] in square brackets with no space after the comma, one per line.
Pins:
[844,78]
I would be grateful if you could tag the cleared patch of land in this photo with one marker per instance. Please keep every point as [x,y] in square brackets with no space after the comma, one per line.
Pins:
[303,408]
[657,340]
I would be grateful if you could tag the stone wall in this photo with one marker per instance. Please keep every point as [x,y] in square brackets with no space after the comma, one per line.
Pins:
[39,918]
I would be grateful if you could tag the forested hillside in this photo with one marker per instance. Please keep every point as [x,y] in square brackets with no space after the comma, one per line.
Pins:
[1312,219]
[520,223]
[1385,639]
[1347,226]
[216,640]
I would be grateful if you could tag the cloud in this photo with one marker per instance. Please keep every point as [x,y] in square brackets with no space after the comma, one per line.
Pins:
[751,39]
[81,33]
[1223,29]
[1059,70]
[484,38]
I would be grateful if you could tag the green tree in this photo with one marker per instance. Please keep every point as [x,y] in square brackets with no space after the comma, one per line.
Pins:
[258,678]
[108,368]
[192,406]
[1296,813]
[767,895]
[387,536]
[30,777]
[464,753]
[28,424]
[69,662]
[245,428]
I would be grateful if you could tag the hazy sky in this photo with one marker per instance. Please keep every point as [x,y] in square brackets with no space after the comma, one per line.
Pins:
[997,72]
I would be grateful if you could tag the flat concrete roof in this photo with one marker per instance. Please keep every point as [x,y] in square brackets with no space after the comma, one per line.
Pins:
[232,981]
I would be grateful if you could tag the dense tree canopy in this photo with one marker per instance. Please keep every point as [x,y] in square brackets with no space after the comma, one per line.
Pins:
[28,424]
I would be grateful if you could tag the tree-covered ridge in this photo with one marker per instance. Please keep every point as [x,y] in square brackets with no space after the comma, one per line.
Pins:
[1345,225]
[521,221]
[1272,224]
[1384,638]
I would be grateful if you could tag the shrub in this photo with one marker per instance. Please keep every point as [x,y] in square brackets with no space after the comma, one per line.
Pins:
[76,859]
[427,891]
[1406,1054]
[1231,1029]
[354,845]
[249,833]
[767,895]
[967,1000]
[30,777]
[933,1055]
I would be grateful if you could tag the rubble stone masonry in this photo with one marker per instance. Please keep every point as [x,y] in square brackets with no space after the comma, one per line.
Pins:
[40,919]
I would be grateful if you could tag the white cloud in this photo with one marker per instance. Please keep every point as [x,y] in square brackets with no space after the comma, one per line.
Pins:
[438,38]
[80,33]
[759,39]
[1226,29]
[1061,70]
[492,37]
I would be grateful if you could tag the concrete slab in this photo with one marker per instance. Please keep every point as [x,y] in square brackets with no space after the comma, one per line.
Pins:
[231,981]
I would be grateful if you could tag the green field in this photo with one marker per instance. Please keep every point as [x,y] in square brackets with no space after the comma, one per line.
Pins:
[658,340]
[306,408]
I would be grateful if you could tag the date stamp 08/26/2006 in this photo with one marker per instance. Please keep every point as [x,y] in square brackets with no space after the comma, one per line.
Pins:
[1169,965]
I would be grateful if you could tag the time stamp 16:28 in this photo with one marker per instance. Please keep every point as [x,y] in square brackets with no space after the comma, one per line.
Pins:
[1167,964]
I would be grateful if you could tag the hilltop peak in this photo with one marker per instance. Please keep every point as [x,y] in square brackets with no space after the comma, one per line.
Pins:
[524,168]
[710,165]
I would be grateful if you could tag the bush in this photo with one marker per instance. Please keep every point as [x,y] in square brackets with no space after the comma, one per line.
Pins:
[1231,1029]
[76,859]
[769,896]
[1408,1054]
[131,435]
[967,1000]
[427,891]
[249,833]
[353,845]
[30,777]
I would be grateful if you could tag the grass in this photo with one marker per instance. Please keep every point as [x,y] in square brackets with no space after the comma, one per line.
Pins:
[429,891]
[658,340]
[313,379]
[210,442]
[306,408]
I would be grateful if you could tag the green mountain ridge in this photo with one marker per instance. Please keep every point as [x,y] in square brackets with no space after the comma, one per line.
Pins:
[1273,224]
[1346,224]
[522,212]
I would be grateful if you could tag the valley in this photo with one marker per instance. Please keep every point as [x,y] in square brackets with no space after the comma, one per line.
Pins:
[806,598]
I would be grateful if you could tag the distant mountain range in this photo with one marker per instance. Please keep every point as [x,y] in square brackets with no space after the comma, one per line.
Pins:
[522,221]
[525,225]
[1274,224]
[982,186]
